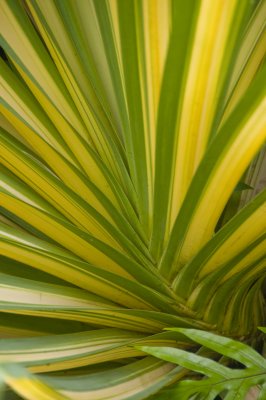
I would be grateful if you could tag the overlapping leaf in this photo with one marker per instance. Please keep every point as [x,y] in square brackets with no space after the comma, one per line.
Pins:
[233,383]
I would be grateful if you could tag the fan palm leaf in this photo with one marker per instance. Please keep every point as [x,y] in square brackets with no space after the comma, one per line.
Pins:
[125,129]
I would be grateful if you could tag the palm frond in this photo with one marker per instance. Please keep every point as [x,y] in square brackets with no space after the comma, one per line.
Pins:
[126,127]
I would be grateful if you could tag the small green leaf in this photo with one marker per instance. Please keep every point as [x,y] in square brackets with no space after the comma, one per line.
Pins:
[187,360]
[225,346]
[233,383]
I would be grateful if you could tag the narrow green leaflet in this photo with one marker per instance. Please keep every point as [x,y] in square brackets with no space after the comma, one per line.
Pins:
[235,383]
[227,347]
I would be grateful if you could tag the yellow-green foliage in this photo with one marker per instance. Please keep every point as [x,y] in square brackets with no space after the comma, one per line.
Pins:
[125,129]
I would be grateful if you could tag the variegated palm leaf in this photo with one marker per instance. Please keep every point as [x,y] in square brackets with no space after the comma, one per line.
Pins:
[125,129]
